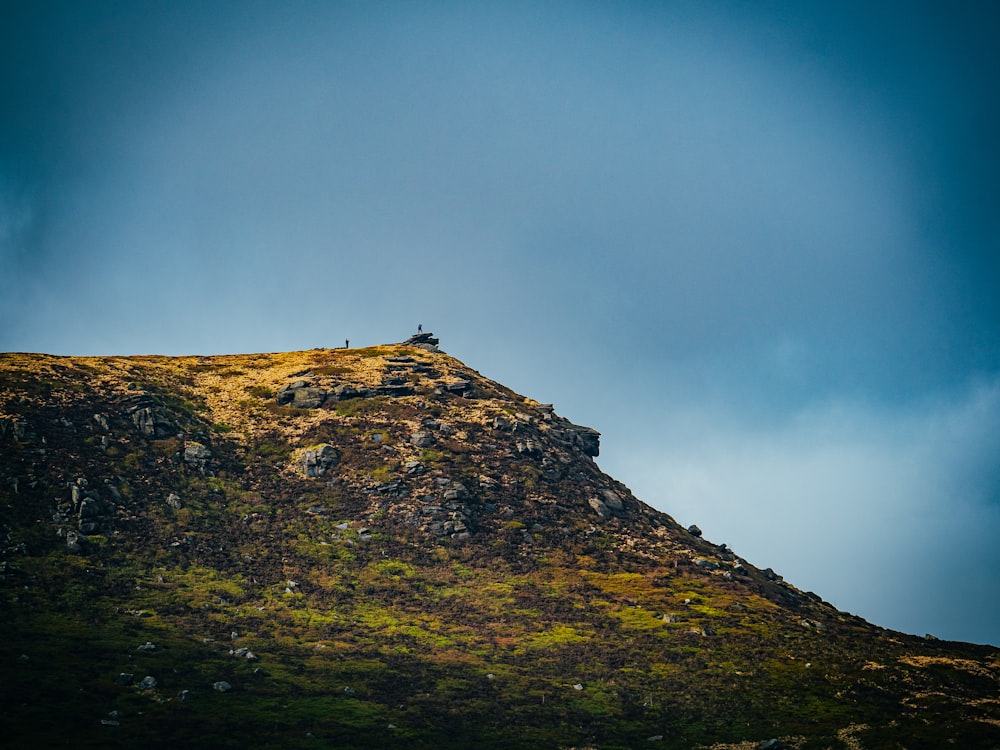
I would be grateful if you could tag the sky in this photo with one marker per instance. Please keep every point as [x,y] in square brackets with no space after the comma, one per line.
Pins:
[755,245]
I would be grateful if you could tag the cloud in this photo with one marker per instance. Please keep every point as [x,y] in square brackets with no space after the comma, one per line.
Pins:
[886,512]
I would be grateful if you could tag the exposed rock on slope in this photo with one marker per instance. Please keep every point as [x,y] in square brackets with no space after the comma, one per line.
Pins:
[381,547]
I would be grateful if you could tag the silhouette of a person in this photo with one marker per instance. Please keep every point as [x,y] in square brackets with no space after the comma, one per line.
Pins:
[420,327]
[347,343]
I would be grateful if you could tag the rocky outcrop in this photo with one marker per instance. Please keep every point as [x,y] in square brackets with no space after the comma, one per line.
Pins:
[302,395]
[150,420]
[425,341]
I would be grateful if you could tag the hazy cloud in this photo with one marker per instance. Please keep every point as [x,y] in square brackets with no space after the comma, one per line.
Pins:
[872,508]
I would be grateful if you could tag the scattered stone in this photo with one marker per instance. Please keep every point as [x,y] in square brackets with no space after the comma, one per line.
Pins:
[578,686]
[346,392]
[125,679]
[694,530]
[772,744]
[174,501]
[183,695]
[393,487]
[459,387]
[529,447]
[147,646]
[455,491]
[147,683]
[221,686]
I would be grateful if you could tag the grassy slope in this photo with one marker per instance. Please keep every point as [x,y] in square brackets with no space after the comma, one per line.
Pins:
[549,626]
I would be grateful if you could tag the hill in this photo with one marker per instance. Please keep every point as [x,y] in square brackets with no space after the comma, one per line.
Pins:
[380,547]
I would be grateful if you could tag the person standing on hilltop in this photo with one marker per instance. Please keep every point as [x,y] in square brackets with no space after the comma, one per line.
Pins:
[420,327]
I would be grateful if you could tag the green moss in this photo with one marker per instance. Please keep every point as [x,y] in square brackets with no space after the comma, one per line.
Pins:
[636,618]
[558,635]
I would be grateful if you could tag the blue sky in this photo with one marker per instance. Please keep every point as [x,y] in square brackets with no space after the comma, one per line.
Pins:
[754,244]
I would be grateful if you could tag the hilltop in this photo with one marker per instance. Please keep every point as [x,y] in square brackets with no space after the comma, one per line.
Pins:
[381,547]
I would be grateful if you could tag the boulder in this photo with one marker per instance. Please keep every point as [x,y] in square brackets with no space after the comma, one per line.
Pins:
[89,508]
[147,683]
[421,439]
[222,686]
[301,394]
[308,398]
[612,499]
[600,508]
[197,456]
[694,530]
[76,542]
[319,459]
